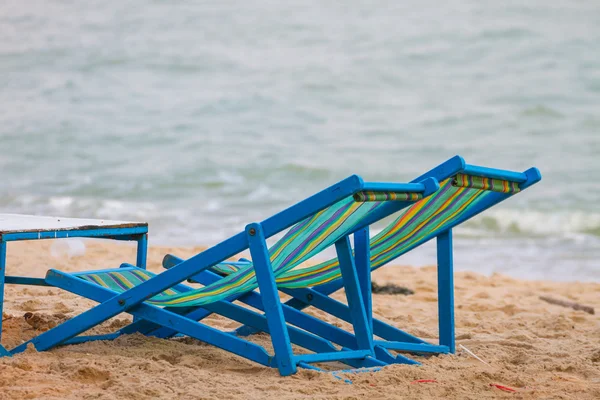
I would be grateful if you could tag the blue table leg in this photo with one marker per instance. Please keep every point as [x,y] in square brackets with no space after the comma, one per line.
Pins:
[3,351]
[142,251]
[446,290]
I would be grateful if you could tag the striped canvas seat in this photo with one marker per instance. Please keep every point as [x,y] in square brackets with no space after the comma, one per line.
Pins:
[300,243]
[416,224]
[123,279]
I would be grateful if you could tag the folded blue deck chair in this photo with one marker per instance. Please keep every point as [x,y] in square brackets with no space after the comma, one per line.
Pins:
[325,219]
[465,191]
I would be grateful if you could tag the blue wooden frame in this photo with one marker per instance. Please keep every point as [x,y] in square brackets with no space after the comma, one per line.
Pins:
[395,339]
[137,233]
[253,238]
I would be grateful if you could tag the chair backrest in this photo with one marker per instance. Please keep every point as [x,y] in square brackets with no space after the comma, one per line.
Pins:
[456,199]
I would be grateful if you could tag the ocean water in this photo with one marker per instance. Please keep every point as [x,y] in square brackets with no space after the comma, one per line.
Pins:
[200,117]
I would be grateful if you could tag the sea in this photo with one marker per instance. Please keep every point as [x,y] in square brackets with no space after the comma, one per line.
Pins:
[200,117]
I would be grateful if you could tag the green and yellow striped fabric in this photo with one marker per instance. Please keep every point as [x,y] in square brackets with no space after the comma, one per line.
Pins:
[386,196]
[125,278]
[478,182]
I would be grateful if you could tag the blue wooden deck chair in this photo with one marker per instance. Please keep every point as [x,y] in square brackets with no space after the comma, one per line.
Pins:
[465,191]
[325,219]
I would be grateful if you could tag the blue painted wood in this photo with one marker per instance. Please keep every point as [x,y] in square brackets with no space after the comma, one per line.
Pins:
[362,255]
[334,356]
[360,323]
[446,290]
[271,302]
[25,280]
[412,347]
[61,234]
[2,275]
[533,176]
[394,187]
[169,261]
[142,251]
[495,173]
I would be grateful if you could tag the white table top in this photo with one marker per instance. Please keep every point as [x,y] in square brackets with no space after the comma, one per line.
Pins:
[17,223]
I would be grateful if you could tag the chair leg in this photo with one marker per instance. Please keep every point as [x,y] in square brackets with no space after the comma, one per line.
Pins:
[360,321]
[446,290]
[362,255]
[271,302]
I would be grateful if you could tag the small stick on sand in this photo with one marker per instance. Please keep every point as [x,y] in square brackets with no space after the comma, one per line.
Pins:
[568,304]
[469,352]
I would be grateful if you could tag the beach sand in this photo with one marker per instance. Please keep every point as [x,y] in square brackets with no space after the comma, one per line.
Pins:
[539,350]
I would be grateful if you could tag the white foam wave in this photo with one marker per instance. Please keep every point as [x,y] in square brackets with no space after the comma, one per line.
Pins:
[80,207]
[538,223]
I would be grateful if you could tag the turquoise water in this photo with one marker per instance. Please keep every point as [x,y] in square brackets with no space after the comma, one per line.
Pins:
[202,117]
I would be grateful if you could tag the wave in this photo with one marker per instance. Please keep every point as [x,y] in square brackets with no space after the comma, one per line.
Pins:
[534,223]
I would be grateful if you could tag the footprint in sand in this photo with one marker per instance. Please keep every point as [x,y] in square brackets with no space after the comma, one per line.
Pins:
[91,375]
[31,305]
[62,308]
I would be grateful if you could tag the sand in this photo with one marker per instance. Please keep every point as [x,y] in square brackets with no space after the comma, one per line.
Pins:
[541,351]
